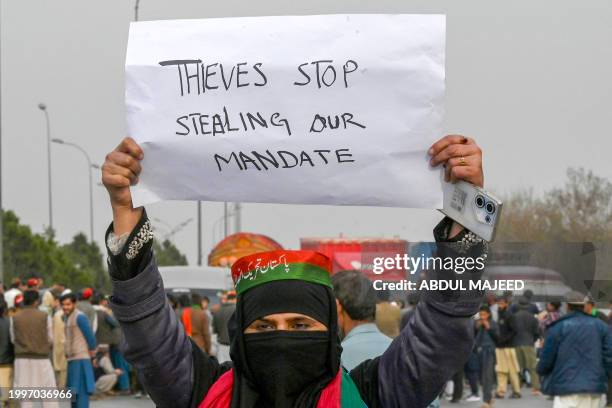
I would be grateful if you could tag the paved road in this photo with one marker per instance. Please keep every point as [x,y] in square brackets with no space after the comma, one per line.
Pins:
[123,402]
[526,402]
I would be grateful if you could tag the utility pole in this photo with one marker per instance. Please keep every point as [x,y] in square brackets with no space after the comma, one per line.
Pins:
[136,7]
[237,218]
[199,233]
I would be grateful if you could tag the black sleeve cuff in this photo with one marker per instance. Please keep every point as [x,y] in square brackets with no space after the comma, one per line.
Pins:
[135,254]
[442,230]
[466,244]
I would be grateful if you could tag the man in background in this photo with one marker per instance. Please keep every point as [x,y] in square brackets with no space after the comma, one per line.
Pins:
[85,306]
[32,335]
[105,334]
[60,364]
[80,347]
[105,374]
[507,367]
[551,314]
[525,302]
[200,333]
[11,294]
[7,355]
[527,332]
[491,301]
[214,345]
[356,305]
[58,288]
[109,333]
[590,308]
[220,321]
[487,334]
[576,360]
[388,315]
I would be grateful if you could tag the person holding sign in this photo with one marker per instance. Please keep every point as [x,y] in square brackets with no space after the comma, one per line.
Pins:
[285,348]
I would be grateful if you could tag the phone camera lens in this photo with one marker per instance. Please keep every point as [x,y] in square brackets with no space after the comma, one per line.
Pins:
[487,219]
[490,208]
[480,201]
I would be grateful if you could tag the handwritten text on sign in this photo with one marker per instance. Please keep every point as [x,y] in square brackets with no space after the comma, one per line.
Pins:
[333,109]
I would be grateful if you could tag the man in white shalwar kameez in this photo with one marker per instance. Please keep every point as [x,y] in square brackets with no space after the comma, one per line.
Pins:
[32,335]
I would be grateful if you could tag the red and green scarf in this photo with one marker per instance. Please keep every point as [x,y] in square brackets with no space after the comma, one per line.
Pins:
[341,392]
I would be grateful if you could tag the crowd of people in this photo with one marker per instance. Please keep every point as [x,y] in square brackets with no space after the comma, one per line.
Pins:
[563,351]
[206,324]
[56,338]
[53,337]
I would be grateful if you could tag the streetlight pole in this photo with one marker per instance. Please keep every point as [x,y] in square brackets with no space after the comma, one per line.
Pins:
[177,229]
[136,7]
[43,108]
[171,231]
[89,167]
[160,221]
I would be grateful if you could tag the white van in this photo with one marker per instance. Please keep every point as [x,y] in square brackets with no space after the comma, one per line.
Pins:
[206,280]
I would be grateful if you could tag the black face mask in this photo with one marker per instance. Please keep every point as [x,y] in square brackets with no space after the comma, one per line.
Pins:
[285,364]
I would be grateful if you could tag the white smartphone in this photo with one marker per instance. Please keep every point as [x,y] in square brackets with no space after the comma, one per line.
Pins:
[474,208]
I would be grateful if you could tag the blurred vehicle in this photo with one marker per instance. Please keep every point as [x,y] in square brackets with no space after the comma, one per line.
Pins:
[546,284]
[206,280]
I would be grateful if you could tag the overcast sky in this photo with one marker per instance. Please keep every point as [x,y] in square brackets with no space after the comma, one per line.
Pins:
[529,80]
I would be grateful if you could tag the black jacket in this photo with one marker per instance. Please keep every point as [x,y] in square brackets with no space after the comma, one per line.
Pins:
[526,327]
[7,354]
[486,339]
[178,374]
[506,328]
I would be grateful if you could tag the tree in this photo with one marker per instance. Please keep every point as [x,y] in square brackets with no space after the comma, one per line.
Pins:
[167,254]
[580,211]
[567,229]
[27,254]
[526,218]
[77,264]
[584,206]
[87,258]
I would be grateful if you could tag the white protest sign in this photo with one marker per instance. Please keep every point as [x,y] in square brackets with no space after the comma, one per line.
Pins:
[335,109]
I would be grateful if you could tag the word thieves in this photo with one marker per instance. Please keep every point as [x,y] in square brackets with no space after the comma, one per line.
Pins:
[241,109]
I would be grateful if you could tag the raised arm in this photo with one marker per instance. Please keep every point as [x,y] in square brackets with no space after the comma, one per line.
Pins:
[154,342]
[438,338]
